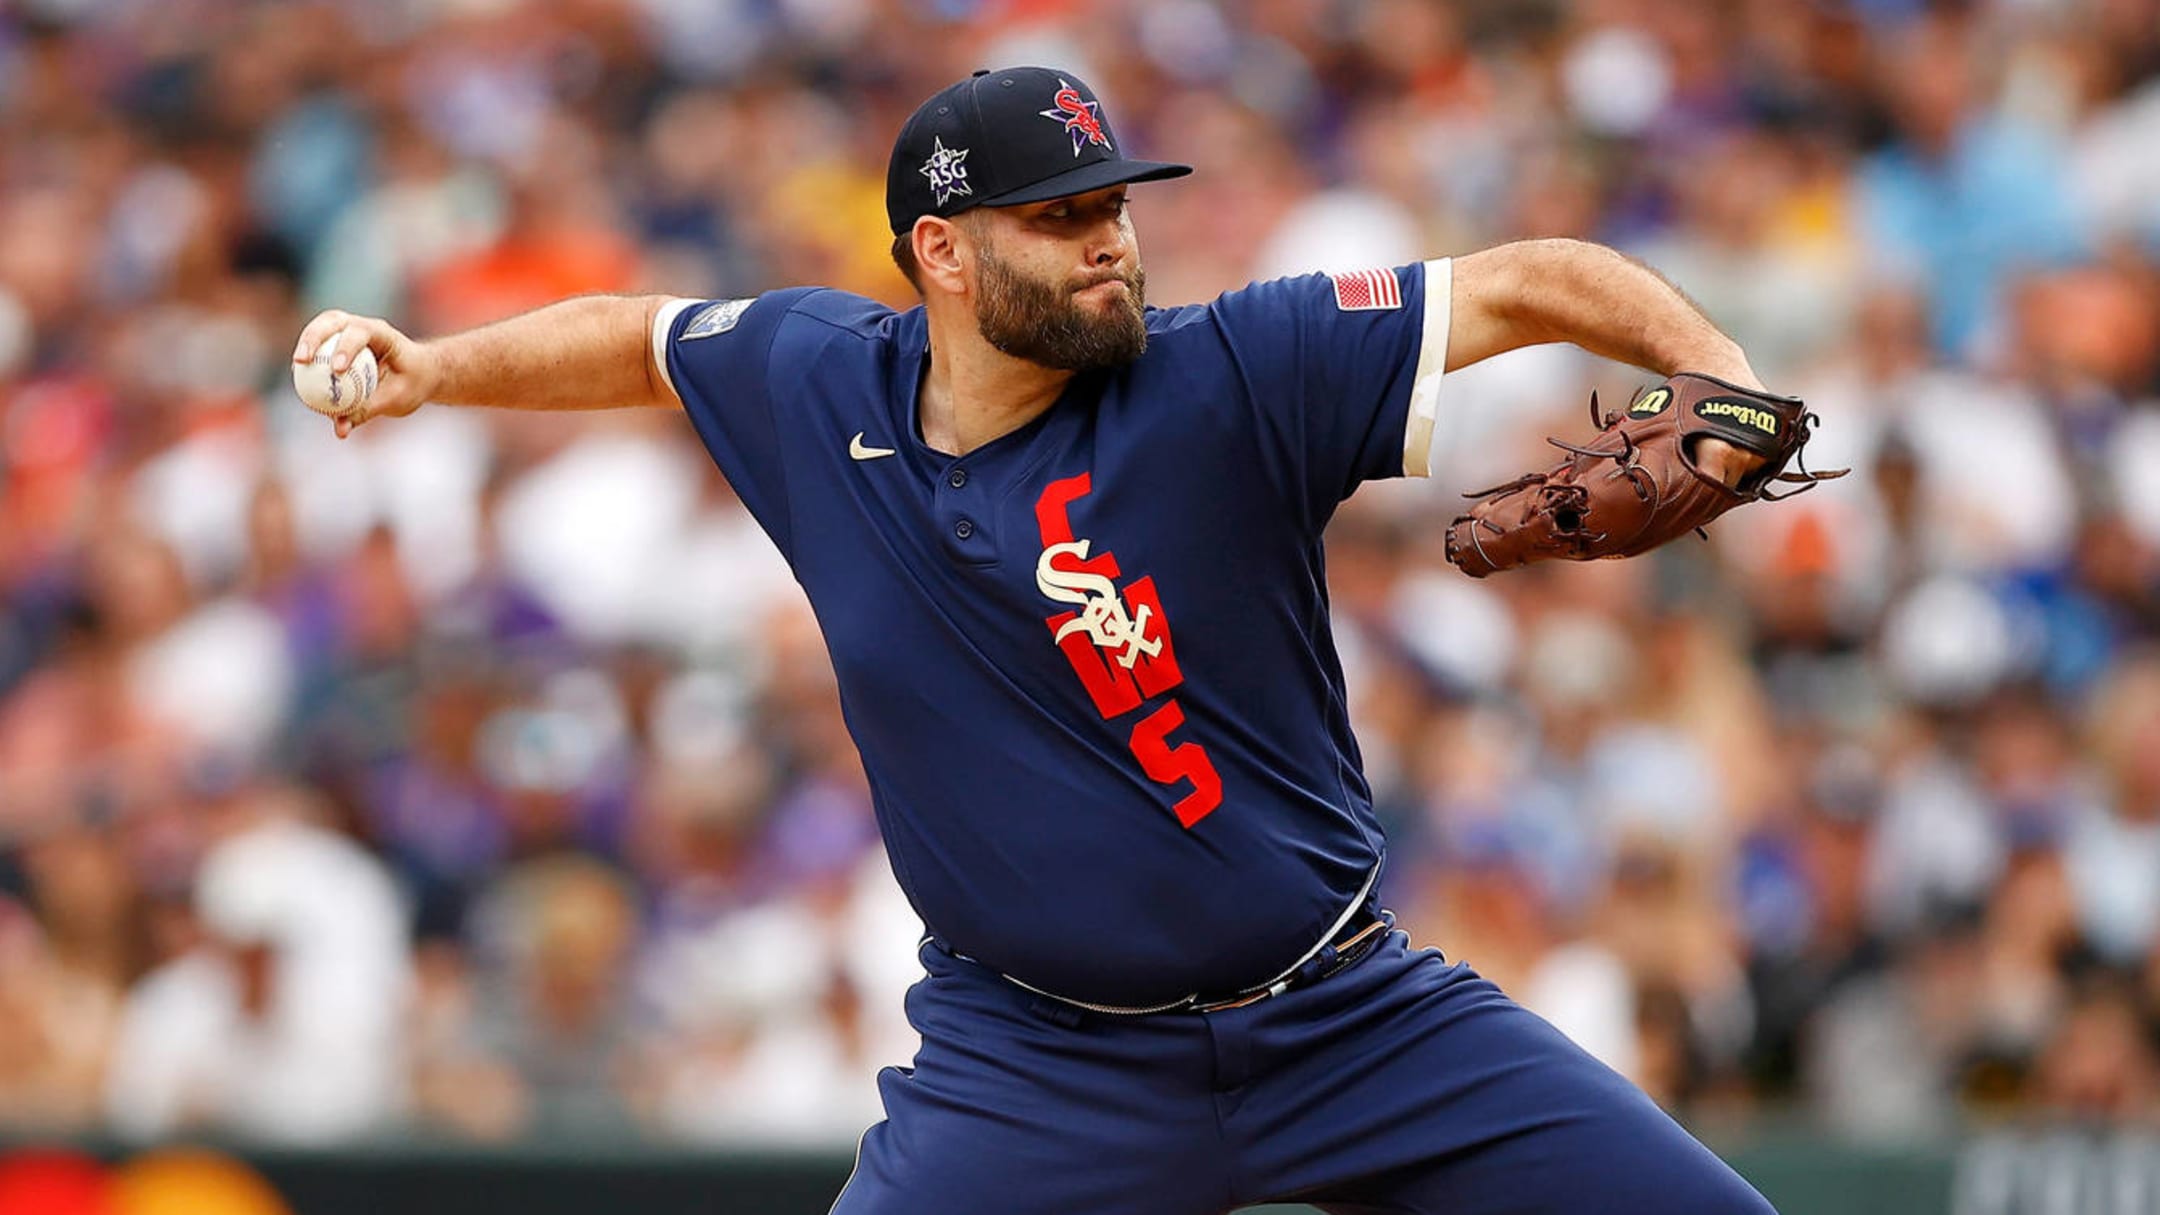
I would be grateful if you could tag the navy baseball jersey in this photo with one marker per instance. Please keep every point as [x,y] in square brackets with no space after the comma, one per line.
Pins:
[1088,665]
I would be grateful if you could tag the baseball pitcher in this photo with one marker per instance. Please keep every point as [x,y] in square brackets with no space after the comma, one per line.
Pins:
[1066,553]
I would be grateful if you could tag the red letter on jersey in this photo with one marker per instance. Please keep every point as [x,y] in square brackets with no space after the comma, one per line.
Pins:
[1166,765]
[1157,673]
[1055,523]
[1109,685]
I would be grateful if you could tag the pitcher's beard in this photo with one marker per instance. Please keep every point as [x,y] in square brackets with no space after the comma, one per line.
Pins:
[1043,323]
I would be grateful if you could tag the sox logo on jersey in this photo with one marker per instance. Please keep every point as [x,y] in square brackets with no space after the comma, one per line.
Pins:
[1102,613]
[1119,645]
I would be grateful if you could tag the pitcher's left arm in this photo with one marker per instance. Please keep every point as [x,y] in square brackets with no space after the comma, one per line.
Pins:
[1536,291]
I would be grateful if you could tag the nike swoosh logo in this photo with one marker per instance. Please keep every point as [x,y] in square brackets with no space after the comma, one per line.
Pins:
[856,449]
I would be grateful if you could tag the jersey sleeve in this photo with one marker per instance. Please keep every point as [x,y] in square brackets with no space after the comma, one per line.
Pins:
[1344,372]
[716,355]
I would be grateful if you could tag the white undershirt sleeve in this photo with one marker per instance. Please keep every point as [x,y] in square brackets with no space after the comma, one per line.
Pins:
[1431,366]
[663,324]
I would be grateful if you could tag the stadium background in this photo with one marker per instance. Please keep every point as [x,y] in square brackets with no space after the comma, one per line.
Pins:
[473,794]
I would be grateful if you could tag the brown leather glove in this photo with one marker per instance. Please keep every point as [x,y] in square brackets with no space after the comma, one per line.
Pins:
[1637,484]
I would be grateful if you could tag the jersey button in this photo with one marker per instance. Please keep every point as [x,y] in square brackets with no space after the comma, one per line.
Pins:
[963,529]
[957,479]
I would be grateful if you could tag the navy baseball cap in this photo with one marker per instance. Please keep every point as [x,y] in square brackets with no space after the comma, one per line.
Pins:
[1019,135]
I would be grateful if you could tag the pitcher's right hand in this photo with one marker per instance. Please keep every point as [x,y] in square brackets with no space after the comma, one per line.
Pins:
[408,369]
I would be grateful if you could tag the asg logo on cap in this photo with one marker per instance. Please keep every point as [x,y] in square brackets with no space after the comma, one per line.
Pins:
[1077,115]
[947,171]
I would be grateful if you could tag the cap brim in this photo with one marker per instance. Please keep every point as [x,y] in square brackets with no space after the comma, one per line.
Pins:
[1097,176]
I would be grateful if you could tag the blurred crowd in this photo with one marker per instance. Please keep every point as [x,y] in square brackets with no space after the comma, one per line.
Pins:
[484,775]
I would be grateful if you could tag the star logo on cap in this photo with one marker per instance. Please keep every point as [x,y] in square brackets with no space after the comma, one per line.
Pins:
[947,171]
[1078,115]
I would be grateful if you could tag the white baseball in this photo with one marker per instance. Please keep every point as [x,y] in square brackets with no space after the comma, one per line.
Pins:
[335,395]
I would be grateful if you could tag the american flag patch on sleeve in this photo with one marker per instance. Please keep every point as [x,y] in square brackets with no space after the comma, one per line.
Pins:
[1367,291]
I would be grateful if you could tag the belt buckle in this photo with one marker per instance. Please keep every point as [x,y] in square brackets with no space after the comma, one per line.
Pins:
[1351,948]
[1346,953]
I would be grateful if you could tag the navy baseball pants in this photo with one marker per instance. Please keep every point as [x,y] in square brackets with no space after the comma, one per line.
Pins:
[1402,1084]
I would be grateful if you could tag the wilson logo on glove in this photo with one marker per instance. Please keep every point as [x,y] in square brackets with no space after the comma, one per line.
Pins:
[1636,484]
[1746,415]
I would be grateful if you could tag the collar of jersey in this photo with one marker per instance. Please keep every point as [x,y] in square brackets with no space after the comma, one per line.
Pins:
[1017,451]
